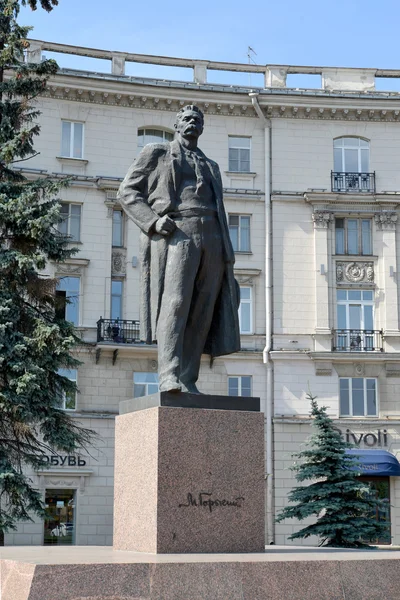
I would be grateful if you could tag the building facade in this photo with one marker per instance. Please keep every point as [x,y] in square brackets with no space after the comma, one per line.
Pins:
[311,188]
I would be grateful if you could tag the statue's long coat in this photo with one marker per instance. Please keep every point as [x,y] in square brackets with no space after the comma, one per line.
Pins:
[148,192]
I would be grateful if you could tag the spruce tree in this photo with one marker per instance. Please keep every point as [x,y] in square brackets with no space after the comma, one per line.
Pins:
[340,501]
[34,342]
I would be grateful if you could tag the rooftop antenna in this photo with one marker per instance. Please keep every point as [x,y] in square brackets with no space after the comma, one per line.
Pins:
[250,59]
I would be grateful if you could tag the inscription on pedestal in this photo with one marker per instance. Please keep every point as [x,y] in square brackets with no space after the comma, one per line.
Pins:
[205,499]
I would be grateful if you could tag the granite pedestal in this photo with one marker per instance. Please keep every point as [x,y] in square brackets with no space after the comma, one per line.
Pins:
[281,573]
[189,474]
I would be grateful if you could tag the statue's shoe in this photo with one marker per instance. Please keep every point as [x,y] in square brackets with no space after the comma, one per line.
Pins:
[190,388]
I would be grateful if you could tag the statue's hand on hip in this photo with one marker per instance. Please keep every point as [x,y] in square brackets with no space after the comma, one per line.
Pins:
[165,225]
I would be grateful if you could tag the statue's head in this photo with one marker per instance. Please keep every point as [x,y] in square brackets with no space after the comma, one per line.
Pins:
[189,122]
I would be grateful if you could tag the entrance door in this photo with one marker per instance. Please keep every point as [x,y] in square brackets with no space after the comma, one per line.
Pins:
[59,522]
[380,488]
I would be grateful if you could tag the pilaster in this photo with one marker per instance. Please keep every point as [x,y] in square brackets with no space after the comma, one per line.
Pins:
[386,230]
[322,220]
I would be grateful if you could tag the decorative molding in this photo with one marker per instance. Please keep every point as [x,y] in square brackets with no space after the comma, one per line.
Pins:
[246,276]
[310,107]
[118,262]
[323,368]
[392,369]
[355,272]
[386,220]
[61,478]
[359,370]
[72,265]
[322,219]
[149,102]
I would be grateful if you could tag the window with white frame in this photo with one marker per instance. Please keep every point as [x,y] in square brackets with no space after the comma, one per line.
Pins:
[147,135]
[68,398]
[246,310]
[67,299]
[353,236]
[351,155]
[117,288]
[71,139]
[145,384]
[239,385]
[239,154]
[355,320]
[70,224]
[358,397]
[239,231]
[118,229]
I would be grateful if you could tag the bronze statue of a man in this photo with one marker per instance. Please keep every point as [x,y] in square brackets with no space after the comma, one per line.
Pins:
[189,297]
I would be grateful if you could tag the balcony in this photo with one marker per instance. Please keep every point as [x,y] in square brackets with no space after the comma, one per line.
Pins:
[353,182]
[118,331]
[357,340]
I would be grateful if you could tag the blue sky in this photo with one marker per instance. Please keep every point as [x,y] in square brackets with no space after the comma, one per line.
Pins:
[340,33]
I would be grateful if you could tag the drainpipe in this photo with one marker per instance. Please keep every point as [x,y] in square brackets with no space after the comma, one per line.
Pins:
[268,320]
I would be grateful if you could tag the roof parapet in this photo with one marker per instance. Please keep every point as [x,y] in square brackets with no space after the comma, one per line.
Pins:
[275,76]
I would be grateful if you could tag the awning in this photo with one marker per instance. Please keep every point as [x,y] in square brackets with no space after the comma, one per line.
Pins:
[376,462]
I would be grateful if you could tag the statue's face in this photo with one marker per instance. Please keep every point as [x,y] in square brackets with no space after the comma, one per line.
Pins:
[190,125]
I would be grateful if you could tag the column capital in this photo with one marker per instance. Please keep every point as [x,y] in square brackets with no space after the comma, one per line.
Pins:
[322,219]
[386,219]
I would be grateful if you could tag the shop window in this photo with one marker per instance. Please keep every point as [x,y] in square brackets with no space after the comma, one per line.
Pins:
[71,139]
[68,398]
[60,517]
[145,384]
[379,487]
[239,385]
[358,397]
[70,225]
[353,236]
[239,154]
[246,310]
[239,231]
[67,299]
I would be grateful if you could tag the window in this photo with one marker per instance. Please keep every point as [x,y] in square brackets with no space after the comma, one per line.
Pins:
[116,299]
[353,236]
[351,155]
[355,320]
[246,310]
[118,229]
[239,386]
[239,154]
[351,166]
[144,384]
[68,399]
[59,520]
[153,136]
[239,230]
[379,487]
[71,139]
[71,221]
[67,299]
[358,397]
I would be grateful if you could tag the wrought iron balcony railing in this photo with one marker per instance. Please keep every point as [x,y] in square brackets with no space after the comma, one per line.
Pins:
[353,182]
[118,331]
[357,340]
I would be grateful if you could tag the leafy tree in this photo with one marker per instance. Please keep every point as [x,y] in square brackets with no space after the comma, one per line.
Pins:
[34,342]
[340,501]
[46,4]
